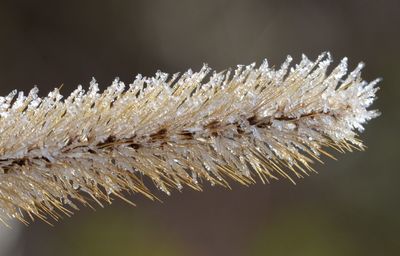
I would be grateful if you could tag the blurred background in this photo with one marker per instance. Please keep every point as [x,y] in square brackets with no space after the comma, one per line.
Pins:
[350,208]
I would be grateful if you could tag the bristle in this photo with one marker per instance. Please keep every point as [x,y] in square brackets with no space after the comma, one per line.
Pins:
[254,124]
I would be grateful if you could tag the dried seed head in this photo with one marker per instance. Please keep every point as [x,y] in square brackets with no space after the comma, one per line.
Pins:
[253,123]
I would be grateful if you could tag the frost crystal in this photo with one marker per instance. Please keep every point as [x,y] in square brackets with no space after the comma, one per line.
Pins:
[252,123]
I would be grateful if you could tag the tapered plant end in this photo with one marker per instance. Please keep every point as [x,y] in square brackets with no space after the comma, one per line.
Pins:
[243,125]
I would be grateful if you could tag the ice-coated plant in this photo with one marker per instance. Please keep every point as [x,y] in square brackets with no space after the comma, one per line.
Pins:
[251,123]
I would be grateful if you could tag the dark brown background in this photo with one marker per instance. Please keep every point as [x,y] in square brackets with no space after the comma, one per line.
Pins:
[350,208]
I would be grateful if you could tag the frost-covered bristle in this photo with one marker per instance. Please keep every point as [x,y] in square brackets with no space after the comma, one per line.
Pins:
[245,124]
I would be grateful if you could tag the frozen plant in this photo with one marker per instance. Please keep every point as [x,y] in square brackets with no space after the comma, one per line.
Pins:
[251,123]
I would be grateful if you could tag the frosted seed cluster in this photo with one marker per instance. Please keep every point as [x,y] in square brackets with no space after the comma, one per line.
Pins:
[244,124]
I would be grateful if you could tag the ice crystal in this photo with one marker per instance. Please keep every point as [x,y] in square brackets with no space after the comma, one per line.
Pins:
[247,124]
